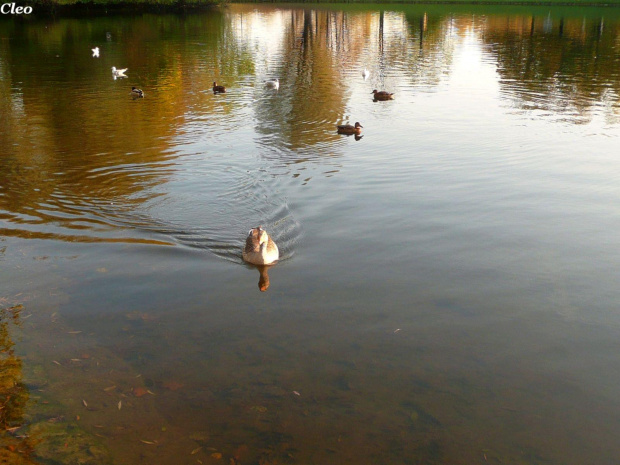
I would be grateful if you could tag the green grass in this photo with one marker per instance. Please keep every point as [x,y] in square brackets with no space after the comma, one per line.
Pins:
[184,4]
[118,3]
[446,2]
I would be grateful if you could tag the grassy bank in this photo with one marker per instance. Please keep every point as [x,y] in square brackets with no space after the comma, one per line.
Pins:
[89,7]
[116,2]
[584,3]
[106,6]
[197,3]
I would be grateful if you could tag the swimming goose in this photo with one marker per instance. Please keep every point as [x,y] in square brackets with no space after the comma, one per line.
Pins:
[96,52]
[218,89]
[365,74]
[137,93]
[349,129]
[118,73]
[273,83]
[259,248]
[382,95]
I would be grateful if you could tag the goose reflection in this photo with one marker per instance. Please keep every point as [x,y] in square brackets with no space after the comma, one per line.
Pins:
[263,280]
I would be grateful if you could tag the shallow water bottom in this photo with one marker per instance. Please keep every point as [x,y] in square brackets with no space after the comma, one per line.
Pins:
[274,378]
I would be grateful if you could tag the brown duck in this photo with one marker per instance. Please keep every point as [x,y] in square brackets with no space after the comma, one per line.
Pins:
[259,248]
[382,95]
[350,129]
[218,89]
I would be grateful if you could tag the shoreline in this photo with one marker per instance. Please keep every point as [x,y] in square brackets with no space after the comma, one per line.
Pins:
[103,7]
[440,2]
[79,8]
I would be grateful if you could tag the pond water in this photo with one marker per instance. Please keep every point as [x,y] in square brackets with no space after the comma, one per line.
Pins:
[448,284]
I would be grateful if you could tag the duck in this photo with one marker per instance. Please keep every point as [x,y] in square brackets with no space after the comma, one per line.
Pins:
[365,74]
[137,93]
[273,83]
[382,95]
[350,129]
[218,89]
[259,248]
[118,73]
[96,52]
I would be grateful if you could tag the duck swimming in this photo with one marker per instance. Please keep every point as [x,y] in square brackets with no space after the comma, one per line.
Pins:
[273,83]
[259,248]
[218,89]
[118,73]
[137,93]
[382,95]
[350,129]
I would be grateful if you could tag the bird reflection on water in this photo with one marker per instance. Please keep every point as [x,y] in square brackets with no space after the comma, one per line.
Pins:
[263,281]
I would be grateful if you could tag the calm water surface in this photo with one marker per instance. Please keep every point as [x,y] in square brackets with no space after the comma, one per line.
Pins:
[448,288]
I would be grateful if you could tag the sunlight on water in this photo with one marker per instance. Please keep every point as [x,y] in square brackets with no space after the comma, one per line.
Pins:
[446,290]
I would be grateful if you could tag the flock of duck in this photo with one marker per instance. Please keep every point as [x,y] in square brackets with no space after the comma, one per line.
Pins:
[260,249]
[378,95]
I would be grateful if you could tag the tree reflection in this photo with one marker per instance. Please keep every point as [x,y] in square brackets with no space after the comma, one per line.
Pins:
[320,50]
[312,43]
[564,65]
[429,51]
[77,153]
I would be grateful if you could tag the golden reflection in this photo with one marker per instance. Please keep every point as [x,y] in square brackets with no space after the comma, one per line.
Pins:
[563,65]
[75,150]
[74,238]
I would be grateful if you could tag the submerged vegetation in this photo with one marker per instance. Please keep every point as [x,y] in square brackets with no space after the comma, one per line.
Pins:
[14,394]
